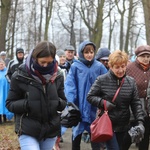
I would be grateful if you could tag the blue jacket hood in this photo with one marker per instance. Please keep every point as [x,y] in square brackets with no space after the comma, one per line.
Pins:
[82,46]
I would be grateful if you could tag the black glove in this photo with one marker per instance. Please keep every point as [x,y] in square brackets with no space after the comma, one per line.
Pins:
[109,105]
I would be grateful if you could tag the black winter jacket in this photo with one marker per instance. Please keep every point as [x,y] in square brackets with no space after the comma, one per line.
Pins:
[35,105]
[105,87]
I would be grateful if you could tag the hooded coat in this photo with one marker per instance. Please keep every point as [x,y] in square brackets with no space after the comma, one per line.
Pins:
[4,88]
[78,82]
[14,64]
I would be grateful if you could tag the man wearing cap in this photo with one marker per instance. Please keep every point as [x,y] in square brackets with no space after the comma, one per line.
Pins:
[102,56]
[15,63]
[3,57]
[140,71]
[69,53]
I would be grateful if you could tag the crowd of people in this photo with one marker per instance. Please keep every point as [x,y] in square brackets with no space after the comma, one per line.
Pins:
[36,90]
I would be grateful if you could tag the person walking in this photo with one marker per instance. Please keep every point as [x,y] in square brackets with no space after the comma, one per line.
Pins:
[4,58]
[81,76]
[70,56]
[140,71]
[36,97]
[105,87]
[15,63]
[4,88]
[102,56]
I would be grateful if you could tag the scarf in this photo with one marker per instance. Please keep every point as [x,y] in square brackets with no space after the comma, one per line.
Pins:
[145,67]
[41,74]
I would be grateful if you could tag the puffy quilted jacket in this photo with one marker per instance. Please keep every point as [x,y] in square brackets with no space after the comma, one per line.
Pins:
[105,87]
[35,105]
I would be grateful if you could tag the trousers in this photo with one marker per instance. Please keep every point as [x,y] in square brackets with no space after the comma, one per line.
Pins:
[30,143]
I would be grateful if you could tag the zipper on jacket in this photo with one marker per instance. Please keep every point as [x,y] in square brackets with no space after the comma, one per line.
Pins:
[44,89]
[118,82]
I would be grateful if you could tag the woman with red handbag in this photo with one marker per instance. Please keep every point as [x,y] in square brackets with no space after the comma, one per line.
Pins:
[105,87]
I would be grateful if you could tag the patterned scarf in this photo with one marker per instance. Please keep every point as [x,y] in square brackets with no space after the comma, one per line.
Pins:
[41,74]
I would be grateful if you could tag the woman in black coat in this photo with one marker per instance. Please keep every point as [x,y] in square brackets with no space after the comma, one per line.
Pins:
[105,87]
[36,97]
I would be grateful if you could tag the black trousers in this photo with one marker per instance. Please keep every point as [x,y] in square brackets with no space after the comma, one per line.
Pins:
[144,144]
[77,141]
[4,118]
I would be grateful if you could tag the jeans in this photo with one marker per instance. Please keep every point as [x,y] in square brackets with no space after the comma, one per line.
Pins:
[112,144]
[116,142]
[30,143]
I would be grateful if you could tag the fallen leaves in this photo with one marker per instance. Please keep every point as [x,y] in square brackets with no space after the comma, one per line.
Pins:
[8,137]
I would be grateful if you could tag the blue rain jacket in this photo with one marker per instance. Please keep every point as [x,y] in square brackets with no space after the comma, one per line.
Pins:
[4,88]
[77,85]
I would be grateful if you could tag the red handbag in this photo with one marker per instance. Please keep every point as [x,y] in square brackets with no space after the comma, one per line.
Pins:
[101,127]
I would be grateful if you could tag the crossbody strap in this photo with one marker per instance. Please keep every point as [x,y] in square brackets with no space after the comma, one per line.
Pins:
[118,90]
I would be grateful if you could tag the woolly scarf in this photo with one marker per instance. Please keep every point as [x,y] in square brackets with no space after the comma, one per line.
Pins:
[41,74]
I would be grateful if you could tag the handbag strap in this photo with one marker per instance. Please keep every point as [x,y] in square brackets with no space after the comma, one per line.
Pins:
[118,90]
[105,108]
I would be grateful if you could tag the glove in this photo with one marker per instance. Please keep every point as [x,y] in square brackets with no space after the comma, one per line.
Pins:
[140,130]
[109,105]
[137,133]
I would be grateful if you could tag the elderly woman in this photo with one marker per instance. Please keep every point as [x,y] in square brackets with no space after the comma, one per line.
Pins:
[104,88]
[139,70]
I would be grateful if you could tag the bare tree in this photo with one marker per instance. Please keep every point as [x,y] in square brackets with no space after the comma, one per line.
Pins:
[13,27]
[48,13]
[121,11]
[68,21]
[95,25]
[40,24]
[130,16]
[5,10]
[146,8]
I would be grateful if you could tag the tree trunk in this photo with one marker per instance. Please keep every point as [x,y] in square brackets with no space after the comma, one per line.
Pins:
[130,16]
[5,9]
[146,8]
[48,17]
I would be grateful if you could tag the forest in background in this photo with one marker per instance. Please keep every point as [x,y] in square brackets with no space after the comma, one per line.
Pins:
[116,24]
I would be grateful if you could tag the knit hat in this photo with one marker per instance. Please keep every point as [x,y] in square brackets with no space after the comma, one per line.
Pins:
[2,53]
[103,54]
[60,52]
[143,49]
[70,48]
